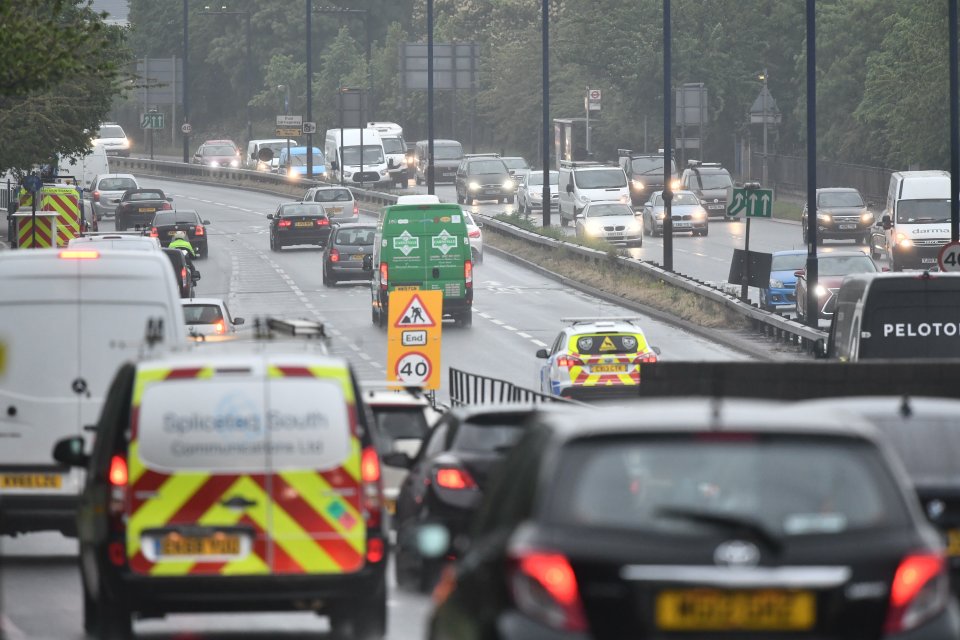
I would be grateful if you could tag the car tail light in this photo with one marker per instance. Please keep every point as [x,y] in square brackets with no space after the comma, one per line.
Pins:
[334,255]
[96,195]
[645,358]
[454,478]
[323,222]
[166,206]
[384,274]
[569,361]
[154,233]
[356,209]
[117,478]
[79,255]
[219,327]
[920,590]
[183,275]
[475,233]
[372,489]
[199,230]
[283,224]
[468,272]
[544,587]
[118,475]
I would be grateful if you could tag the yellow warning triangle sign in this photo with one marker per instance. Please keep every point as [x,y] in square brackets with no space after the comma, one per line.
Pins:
[415,315]
[607,345]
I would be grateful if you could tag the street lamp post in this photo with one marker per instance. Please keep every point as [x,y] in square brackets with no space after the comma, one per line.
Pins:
[186,83]
[545,134]
[222,11]
[667,144]
[763,77]
[286,112]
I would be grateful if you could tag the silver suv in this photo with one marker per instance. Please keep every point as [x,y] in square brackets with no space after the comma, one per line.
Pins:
[712,185]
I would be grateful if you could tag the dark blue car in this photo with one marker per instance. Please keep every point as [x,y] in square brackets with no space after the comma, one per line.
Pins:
[783,284]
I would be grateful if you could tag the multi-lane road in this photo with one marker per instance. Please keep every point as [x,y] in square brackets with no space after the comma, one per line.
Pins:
[517,312]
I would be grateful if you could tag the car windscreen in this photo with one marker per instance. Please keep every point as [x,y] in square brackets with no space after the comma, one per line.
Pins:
[923,211]
[219,150]
[715,180]
[393,145]
[332,195]
[516,163]
[607,344]
[372,154]
[679,199]
[487,437]
[447,151]
[839,199]
[486,167]
[648,166]
[308,209]
[111,132]
[788,262]
[611,209]
[117,184]
[356,237]
[845,265]
[702,484]
[300,159]
[202,313]
[601,179]
[536,178]
[145,195]
[928,443]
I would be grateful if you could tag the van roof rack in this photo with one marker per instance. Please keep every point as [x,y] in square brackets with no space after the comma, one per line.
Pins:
[701,163]
[580,164]
[481,155]
[590,319]
[267,328]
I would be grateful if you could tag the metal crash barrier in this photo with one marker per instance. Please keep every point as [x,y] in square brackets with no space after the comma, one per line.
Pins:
[473,389]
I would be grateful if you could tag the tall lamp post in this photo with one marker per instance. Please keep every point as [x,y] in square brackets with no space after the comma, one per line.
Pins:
[186,82]
[763,77]
[286,112]
[223,11]
[545,135]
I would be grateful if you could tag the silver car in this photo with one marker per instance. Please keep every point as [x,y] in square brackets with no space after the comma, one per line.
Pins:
[686,212]
[612,221]
[106,191]
[530,192]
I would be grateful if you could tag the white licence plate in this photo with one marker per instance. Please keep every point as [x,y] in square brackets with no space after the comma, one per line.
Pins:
[848,226]
[614,235]
[681,225]
[928,260]
[716,206]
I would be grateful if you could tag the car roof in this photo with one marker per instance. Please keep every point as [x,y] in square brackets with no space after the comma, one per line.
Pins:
[469,413]
[387,398]
[838,190]
[116,175]
[708,415]
[592,202]
[330,187]
[236,354]
[594,167]
[678,191]
[216,301]
[850,253]
[790,252]
[356,225]
[439,141]
[224,141]
[871,406]
[612,324]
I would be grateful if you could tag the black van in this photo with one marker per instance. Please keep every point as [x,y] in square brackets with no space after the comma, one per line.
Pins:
[896,315]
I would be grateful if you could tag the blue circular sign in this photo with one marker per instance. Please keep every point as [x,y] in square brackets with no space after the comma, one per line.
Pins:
[32,183]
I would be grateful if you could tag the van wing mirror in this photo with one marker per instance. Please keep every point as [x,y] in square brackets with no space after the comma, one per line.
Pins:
[569,188]
[238,321]
[886,222]
[368,263]
[196,276]
[69,451]
[543,354]
[398,459]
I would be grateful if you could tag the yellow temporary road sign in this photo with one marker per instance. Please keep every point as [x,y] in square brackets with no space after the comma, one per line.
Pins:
[413,337]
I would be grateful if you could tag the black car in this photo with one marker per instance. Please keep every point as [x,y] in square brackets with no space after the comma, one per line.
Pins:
[183,271]
[298,223]
[698,519]
[137,207]
[841,215]
[484,177]
[167,223]
[447,479]
[348,254]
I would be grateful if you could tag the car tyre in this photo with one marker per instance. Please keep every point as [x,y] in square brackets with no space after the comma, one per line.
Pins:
[202,252]
[466,319]
[510,199]
[119,224]
[382,318]
[113,618]
[329,279]
[90,613]
[460,199]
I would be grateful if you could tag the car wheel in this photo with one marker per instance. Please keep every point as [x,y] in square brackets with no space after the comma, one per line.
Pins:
[202,252]
[118,225]
[90,613]
[466,319]
[113,618]
[510,199]
[382,318]
[330,280]
[706,231]
[563,221]
[656,233]
[460,199]
[365,620]
[374,317]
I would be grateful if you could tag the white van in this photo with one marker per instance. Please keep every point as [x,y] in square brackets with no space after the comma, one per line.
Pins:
[69,319]
[254,147]
[85,167]
[915,221]
[395,149]
[344,157]
[581,182]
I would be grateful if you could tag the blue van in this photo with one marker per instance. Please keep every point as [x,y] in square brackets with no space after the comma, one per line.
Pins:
[296,167]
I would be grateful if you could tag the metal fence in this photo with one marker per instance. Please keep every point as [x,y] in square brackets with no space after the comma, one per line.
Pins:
[788,176]
[472,389]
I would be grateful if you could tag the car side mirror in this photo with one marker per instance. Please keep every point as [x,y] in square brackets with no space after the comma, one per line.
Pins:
[543,354]
[206,222]
[269,216]
[368,263]
[886,222]
[391,164]
[196,276]
[69,451]
[398,459]
[238,321]
[799,273]
[479,224]
[569,188]
[656,350]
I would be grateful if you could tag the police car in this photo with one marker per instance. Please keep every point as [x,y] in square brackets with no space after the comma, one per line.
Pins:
[595,357]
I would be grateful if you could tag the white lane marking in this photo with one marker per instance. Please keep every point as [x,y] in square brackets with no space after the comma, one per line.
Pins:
[538,343]
[524,335]
[202,200]
[484,315]
[495,321]
[220,204]
[509,328]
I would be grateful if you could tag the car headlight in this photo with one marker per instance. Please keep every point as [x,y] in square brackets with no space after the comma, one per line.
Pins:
[474,186]
[824,217]
[509,184]
[383,172]
[661,216]
[699,213]
[292,173]
[594,228]
[821,291]
[635,225]
[867,218]
[125,144]
[776,284]
[536,195]
[624,199]
[675,185]
[214,163]
[904,241]
[234,163]
[638,184]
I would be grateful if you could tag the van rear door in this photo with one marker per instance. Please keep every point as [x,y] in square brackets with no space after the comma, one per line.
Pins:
[444,238]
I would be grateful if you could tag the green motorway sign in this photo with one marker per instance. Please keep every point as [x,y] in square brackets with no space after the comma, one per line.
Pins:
[753,203]
[152,120]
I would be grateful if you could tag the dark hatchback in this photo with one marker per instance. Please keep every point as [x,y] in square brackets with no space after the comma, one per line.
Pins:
[705,521]
[447,480]
[841,215]
[167,223]
[184,273]
[298,223]
[138,207]
[833,268]
[349,253]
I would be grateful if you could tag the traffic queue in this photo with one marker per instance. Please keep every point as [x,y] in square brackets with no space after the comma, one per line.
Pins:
[256,473]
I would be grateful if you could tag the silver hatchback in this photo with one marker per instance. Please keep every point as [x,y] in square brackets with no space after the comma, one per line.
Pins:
[106,191]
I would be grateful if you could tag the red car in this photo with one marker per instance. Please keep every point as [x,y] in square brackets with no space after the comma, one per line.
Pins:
[218,153]
[833,268]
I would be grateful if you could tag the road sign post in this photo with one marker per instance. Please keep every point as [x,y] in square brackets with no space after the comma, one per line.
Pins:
[949,257]
[752,202]
[414,337]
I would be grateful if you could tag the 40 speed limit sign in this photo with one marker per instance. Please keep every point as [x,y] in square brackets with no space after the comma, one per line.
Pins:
[415,322]
[949,258]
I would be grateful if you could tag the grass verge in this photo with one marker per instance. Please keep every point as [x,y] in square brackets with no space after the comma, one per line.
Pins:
[609,276]
[786,210]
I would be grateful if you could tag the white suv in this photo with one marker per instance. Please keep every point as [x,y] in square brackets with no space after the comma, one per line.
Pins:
[581,182]
[338,202]
[113,140]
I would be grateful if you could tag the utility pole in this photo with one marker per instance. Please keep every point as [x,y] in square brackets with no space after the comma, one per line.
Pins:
[222,11]
[954,130]
[763,77]
[812,302]
[545,125]
[186,83]
[309,87]
[431,185]
[667,145]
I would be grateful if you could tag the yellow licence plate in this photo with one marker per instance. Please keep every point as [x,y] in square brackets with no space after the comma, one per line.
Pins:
[30,481]
[175,545]
[147,210]
[335,209]
[608,368]
[407,288]
[358,256]
[714,610]
[391,506]
[304,223]
[953,542]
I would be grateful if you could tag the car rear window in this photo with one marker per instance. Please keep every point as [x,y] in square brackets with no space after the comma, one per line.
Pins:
[607,343]
[117,184]
[696,485]
[202,313]
[162,219]
[332,195]
[400,423]
[928,445]
[487,437]
[243,425]
[146,195]
[111,132]
[302,210]
[356,237]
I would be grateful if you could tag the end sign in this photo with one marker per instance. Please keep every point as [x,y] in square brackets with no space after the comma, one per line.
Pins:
[414,336]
